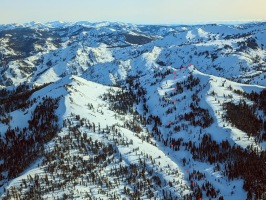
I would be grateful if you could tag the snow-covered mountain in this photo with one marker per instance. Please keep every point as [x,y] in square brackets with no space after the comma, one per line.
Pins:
[123,111]
[32,51]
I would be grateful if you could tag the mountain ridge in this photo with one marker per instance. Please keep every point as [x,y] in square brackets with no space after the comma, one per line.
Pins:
[132,112]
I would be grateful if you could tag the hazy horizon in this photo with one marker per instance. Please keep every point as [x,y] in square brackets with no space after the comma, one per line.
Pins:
[159,24]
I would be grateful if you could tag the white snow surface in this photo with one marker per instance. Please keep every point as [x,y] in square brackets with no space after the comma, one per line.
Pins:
[84,68]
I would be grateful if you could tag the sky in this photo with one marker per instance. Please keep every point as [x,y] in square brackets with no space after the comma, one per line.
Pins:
[133,11]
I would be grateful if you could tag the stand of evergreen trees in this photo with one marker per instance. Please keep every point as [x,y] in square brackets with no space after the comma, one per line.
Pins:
[77,160]
[18,98]
[245,116]
[20,147]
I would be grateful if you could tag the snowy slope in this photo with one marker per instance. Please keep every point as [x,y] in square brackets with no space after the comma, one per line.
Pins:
[136,111]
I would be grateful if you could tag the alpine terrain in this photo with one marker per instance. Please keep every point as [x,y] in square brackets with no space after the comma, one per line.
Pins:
[123,111]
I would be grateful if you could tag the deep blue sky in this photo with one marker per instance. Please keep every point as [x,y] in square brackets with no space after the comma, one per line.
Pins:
[133,11]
